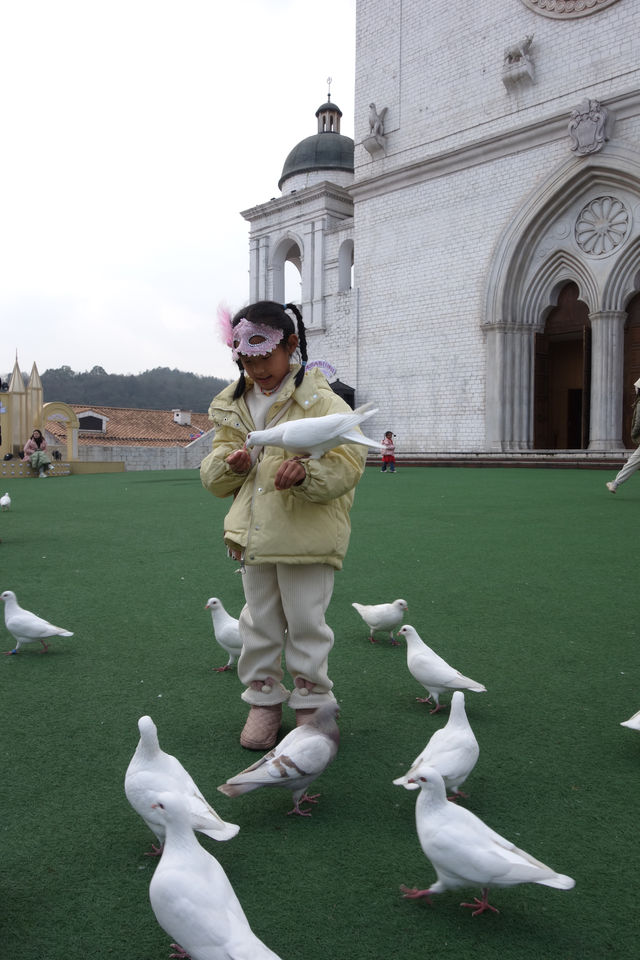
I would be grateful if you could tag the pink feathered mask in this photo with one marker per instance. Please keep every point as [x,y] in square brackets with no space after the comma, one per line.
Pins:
[247,339]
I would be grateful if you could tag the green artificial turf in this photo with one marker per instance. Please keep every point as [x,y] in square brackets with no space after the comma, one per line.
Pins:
[525,580]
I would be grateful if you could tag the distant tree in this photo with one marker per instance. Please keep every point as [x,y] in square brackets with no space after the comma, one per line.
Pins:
[159,389]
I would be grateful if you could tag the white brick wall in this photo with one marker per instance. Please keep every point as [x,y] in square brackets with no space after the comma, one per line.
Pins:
[424,242]
[464,155]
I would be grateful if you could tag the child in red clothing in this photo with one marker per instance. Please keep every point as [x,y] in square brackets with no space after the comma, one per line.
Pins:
[388,454]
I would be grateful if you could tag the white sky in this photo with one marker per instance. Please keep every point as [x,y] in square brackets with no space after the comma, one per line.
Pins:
[133,133]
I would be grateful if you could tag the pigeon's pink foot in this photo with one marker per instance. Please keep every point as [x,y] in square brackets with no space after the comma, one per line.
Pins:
[412,893]
[181,955]
[372,640]
[309,799]
[9,653]
[155,851]
[457,796]
[481,905]
[45,647]
[221,669]
[424,699]
[437,708]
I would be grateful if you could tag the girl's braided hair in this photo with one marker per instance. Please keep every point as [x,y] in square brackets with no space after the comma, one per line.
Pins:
[274,315]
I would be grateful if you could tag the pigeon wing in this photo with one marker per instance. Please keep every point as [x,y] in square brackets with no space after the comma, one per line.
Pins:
[314,431]
[31,627]
[451,756]
[429,668]
[470,850]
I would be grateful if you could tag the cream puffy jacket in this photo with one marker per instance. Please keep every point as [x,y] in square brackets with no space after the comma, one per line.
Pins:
[308,523]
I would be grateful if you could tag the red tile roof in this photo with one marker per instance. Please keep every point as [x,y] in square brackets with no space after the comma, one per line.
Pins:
[127,426]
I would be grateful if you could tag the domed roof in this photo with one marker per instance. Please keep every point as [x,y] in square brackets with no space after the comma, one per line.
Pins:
[327,149]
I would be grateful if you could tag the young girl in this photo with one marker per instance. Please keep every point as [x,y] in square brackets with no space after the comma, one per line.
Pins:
[289,521]
[388,453]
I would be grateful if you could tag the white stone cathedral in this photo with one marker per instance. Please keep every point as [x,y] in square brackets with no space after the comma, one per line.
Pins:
[472,263]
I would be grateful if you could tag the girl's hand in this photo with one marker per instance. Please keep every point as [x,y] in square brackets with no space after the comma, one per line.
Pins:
[290,474]
[239,460]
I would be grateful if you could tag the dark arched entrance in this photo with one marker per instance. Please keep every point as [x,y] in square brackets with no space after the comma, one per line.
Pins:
[631,367]
[562,375]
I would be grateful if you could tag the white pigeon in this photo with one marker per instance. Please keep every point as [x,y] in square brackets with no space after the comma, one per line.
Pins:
[5,501]
[453,751]
[191,895]
[633,722]
[225,630]
[382,616]
[432,671]
[466,852]
[313,436]
[296,761]
[150,771]
[26,627]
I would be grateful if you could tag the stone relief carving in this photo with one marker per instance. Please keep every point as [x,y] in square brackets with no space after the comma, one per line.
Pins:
[567,9]
[517,64]
[376,142]
[589,127]
[601,226]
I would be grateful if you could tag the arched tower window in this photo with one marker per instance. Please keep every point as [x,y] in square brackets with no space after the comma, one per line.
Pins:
[292,283]
[286,270]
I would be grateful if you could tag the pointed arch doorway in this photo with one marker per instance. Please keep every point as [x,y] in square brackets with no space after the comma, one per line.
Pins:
[631,367]
[562,378]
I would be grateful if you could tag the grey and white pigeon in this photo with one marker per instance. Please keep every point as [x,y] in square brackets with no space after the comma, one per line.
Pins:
[465,852]
[453,751]
[225,631]
[191,895]
[5,502]
[633,722]
[26,627]
[150,771]
[432,671]
[295,762]
[313,436]
[382,616]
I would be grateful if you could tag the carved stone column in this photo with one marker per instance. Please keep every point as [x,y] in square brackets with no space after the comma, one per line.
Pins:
[607,366]
[509,391]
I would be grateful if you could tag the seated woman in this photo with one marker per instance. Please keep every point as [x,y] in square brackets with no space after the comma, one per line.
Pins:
[34,452]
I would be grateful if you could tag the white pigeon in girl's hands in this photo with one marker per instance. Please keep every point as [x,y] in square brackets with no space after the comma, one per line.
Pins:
[466,852]
[26,627]
[313,436]
[152,770]
[226,632]
[382,616]
[453,751]
[432,671]
[191,895]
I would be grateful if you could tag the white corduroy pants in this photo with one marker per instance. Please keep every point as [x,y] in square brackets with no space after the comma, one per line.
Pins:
[285,610]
